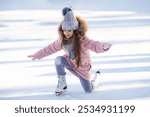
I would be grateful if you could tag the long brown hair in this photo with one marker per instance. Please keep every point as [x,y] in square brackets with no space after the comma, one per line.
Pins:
[78,35]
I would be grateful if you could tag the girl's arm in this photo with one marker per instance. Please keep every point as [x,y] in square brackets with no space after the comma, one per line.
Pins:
[96,46]
[50,49]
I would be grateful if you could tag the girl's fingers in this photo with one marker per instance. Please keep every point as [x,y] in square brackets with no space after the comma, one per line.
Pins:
[33,58]
[30,56]
[106,46]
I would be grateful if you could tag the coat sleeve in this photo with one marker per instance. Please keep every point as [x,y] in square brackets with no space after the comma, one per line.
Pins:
[95,46]
[48,50]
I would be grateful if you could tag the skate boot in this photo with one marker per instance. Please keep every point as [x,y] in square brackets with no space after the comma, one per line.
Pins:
[61,86]
[96,80]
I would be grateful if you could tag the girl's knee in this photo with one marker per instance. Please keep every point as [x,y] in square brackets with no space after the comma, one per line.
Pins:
[86,85]
[88,91]
[58,60]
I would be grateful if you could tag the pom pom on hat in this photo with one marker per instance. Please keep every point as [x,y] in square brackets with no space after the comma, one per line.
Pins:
[65,10]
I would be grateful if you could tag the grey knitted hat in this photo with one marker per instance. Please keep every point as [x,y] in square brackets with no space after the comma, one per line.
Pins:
[70,22]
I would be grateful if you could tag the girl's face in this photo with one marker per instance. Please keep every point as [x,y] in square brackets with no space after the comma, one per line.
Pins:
[68,33]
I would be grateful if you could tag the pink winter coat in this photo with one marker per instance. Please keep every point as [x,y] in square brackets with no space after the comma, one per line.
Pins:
[86,45]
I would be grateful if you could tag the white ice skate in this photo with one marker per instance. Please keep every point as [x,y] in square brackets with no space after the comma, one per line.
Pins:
[96,80]
[61,86]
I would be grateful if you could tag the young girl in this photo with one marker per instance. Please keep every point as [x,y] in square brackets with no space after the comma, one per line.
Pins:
[73,40]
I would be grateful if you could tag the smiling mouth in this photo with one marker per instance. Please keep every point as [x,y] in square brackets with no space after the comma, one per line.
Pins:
[68,36]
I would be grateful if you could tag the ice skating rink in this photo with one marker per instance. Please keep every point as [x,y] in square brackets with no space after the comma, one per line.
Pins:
[125,68]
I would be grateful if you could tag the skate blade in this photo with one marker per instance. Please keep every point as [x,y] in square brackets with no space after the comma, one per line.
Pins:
[60,93]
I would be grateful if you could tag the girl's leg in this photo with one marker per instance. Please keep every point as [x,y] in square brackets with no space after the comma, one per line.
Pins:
[89,86]
[60,64]
[86,84]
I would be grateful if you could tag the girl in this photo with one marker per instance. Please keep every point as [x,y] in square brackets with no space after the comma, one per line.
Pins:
[73,40]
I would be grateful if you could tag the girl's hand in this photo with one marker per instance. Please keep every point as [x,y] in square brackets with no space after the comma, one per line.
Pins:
[106,46]
[33,57]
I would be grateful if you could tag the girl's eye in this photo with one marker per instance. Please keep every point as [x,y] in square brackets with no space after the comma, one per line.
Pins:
[67,30]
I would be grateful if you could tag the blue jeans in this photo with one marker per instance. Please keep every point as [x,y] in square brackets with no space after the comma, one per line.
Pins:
[61,63]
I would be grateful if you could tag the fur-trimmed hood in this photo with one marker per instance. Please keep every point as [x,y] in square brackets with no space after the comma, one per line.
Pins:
[83,25]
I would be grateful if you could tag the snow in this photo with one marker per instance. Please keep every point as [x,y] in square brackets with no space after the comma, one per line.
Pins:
[125,67]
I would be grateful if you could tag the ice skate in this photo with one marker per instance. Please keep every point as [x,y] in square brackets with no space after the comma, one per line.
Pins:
[96,80]
[61,86]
